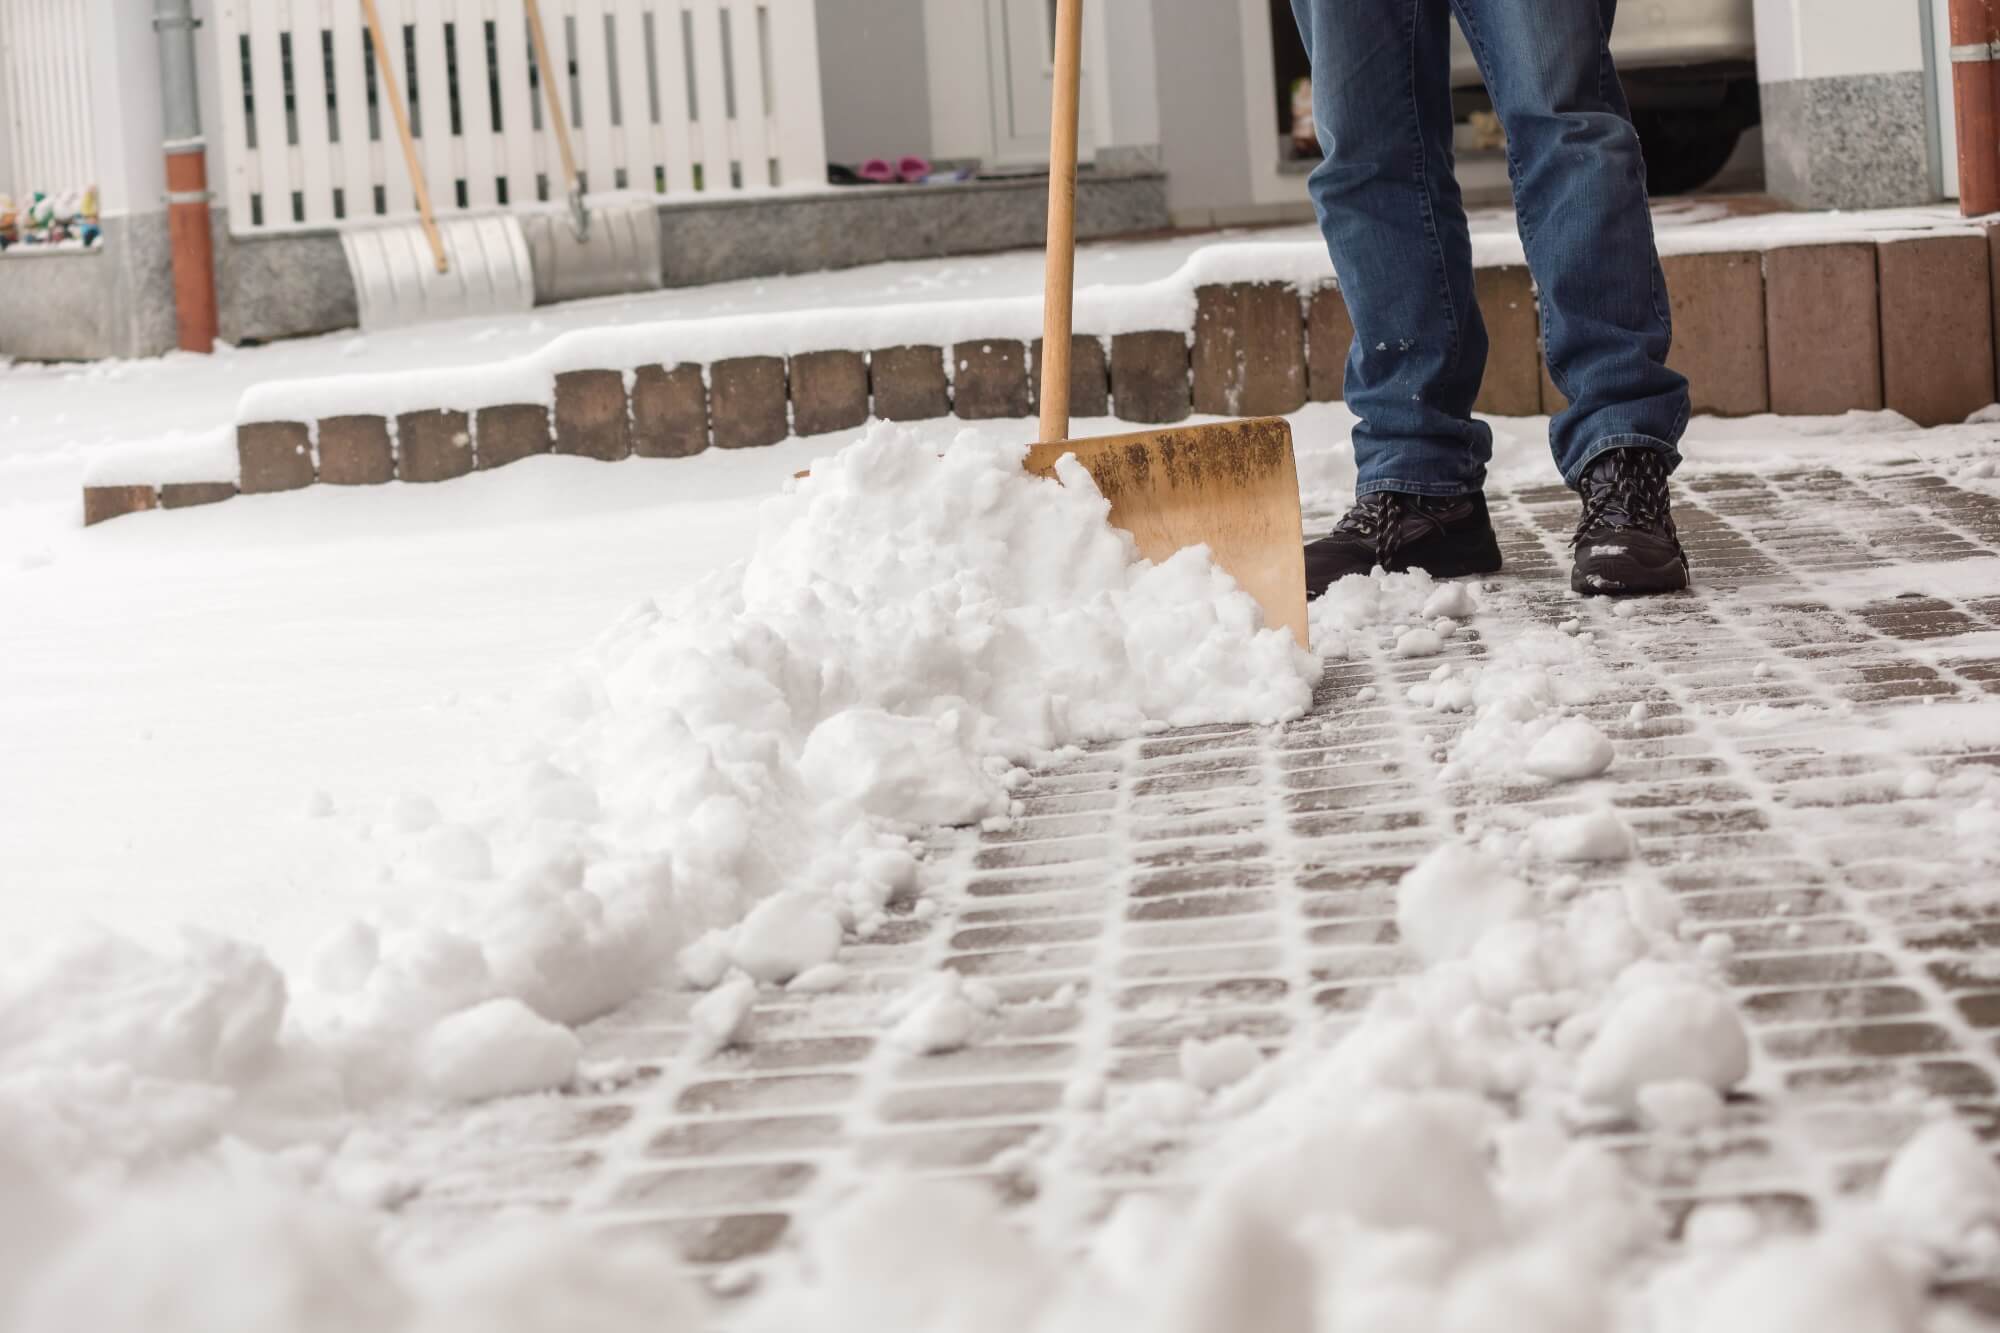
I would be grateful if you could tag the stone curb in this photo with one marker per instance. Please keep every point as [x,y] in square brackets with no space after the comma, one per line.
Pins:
[1910,324]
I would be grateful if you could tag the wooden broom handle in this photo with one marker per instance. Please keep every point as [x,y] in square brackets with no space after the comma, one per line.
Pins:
[402,114]
[1058,290]
[541,41]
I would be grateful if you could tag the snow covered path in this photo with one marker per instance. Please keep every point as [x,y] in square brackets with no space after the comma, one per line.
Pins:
[1807,748]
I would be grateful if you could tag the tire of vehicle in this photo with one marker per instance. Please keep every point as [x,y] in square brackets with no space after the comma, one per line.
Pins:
[1685,147]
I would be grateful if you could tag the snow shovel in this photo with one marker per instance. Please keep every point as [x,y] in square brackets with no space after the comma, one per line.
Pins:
[603,251]
[1232,487]
[443,271]
[463,266]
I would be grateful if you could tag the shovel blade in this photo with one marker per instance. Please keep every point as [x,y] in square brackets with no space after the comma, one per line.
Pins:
[1232,486]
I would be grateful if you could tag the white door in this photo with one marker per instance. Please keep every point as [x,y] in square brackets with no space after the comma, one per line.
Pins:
[991,71]
[1019,37]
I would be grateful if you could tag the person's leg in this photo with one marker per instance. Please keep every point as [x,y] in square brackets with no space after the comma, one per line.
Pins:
[1580,198]
[1390,210]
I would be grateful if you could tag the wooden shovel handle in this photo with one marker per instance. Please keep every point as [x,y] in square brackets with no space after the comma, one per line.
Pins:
[548,70]
[1058,290]
[394,95]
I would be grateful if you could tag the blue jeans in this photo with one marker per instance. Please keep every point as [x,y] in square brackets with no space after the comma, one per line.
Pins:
[1396,228]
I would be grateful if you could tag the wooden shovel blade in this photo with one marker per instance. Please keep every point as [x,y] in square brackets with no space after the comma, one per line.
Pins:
[1232,487]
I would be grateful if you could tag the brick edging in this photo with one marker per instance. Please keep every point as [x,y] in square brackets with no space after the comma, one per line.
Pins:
[1907,323]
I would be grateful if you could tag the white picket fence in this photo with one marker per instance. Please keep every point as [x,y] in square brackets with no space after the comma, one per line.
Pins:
[45,104]
[663,96]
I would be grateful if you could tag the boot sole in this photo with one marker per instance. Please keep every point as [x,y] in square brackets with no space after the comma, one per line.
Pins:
[1630,579]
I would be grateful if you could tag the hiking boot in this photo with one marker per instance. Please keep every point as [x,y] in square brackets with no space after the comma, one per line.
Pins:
[1625,544]
[1445,536]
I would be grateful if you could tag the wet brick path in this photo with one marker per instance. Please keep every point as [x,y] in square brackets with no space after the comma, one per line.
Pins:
[1236,879]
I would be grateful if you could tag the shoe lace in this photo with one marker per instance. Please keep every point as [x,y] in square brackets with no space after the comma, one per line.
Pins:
[1378,518]
[1630,493]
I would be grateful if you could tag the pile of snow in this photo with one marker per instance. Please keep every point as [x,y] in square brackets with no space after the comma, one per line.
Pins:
[1411,614]
[739,770]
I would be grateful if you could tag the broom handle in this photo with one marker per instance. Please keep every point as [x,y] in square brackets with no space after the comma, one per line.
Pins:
[555,98]
[1058,291]
[396,107]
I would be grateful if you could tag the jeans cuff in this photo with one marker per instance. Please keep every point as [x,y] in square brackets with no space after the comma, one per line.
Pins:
[1436,490]
[1610,442]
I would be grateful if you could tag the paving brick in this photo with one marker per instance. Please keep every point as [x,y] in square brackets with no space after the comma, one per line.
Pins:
[829,392]
[748,406]
[1513,383]
[355,451]
[186,494]
[433,446]
[106,502]
[1823,327]
[669,412]
[1329,339]
[989,379]
[1937,327]
[592,418]
[1249,354]
[707,1188]
[510,433]
[274,456]
[908,383]
[1719,344]
[1089,377]
[1149,377]
[742,1137]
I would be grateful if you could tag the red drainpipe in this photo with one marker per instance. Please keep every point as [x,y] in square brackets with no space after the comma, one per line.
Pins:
[187,178]
[193,246]
[1975,83]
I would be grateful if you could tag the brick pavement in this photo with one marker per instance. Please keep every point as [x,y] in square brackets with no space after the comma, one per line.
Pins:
[1236,879]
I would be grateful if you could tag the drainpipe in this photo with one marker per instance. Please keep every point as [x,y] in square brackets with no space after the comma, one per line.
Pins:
[187,178]
[1975,83]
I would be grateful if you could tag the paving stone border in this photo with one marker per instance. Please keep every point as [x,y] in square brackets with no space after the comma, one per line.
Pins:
[1908,323]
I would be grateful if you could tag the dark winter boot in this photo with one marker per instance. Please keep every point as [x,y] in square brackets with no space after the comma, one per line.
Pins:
[1445,536]
[1626,545]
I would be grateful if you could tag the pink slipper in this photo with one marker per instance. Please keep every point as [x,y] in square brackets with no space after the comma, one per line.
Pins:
[877,171]
[913,170]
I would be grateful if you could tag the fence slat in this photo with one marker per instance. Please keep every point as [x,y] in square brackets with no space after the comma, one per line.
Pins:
[638,148]
[746,62]
[238,163]
[401,195]
[475,100]
[350,92]
[676,131]
[800,136]
[314,162]
[267,76]
[597,149]
[711,108]
[517,123]
[432,96]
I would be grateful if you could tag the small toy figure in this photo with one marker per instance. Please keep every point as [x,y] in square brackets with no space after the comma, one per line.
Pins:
[9,234]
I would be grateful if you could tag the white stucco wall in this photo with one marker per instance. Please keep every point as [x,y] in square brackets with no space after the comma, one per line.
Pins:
[1824,39]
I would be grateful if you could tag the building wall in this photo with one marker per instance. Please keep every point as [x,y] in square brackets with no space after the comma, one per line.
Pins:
[873,80]
[1203,135]
[1846,112]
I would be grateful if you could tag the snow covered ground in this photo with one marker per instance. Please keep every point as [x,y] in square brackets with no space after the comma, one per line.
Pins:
[1425,974]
